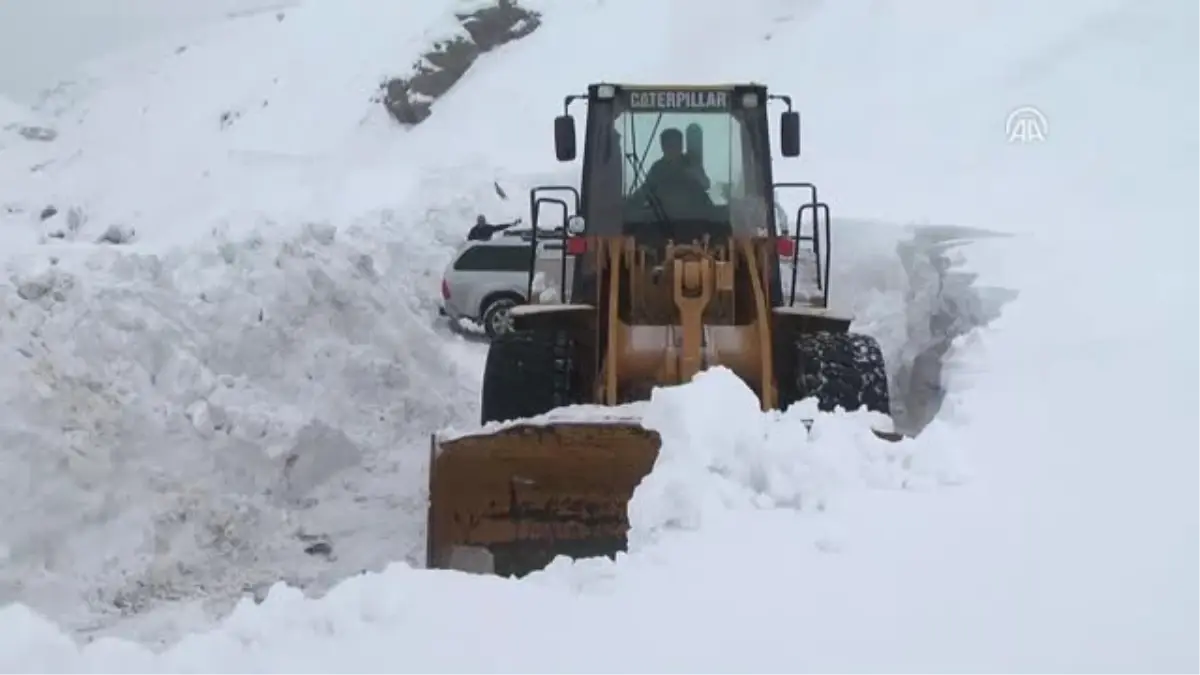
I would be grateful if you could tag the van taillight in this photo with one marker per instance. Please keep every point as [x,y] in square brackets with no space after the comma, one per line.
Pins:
[786,246]
[445,290]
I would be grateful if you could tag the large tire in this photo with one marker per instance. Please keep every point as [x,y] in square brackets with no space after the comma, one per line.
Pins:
[529,373]
[839,369]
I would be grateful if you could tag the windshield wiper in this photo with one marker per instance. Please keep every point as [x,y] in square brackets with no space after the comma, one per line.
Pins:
[652,198]
[656,206]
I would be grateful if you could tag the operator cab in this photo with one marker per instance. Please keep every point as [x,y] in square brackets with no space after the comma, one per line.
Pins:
[676,163]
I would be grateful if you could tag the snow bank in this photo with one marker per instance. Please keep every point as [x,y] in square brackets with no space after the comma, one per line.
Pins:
[720,453]
[724,464]
[177,424]
[222,396]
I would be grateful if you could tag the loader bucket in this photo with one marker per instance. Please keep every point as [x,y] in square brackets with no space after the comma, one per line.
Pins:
[508,502]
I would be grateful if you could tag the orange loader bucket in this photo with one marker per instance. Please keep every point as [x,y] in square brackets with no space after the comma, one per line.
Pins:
[508,502]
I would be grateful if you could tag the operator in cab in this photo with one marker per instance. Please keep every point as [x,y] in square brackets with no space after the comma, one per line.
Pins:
[676,182]
[675,165]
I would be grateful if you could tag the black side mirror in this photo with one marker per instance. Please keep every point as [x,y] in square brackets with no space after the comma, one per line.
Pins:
[564,138]
[789,133]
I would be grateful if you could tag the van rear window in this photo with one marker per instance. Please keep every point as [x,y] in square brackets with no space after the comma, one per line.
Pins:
[494,259]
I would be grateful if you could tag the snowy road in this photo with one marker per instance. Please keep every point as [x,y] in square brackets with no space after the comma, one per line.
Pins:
[241,392]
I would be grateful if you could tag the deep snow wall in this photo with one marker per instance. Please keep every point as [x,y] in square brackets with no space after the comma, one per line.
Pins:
[178,419]
[202,410]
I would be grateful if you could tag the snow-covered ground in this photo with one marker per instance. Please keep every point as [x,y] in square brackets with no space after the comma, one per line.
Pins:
[46,41]
[255,370]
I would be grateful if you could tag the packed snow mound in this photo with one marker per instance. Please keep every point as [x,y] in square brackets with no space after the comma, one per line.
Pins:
[182,425]
[723,462]
[722,454]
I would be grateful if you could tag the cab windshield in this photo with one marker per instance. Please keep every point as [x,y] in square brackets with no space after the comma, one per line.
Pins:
[679,165]
[664,159]
[685,166]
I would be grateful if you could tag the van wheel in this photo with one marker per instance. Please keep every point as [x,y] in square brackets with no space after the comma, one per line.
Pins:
[497,316]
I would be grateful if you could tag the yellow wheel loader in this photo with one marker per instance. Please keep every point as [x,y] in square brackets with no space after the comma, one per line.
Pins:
[671,264]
